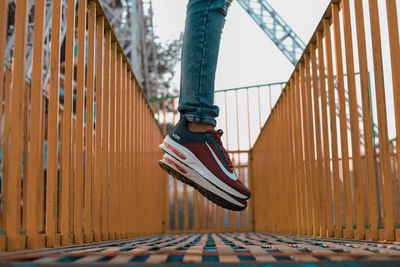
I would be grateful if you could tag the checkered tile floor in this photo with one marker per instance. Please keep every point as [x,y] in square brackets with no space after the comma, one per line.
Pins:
[215,249]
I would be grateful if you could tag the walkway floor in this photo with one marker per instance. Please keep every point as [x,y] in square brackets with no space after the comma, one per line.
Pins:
[215,249]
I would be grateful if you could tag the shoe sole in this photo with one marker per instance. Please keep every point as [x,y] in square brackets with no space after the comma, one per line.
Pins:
[171,166]
[186,157]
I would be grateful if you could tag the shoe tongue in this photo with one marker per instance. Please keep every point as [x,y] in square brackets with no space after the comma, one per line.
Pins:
[216,132]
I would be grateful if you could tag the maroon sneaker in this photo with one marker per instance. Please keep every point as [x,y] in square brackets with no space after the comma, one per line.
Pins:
[205,155]
[191,177]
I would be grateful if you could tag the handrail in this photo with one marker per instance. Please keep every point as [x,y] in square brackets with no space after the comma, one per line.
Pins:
[157,99]
[303,192]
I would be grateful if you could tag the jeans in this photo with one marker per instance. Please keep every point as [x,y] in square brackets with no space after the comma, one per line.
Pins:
[203,28]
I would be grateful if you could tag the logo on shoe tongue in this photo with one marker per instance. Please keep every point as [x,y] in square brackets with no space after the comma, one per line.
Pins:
[229,174]
[177,137]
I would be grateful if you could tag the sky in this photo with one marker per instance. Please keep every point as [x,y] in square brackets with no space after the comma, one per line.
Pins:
[247,55]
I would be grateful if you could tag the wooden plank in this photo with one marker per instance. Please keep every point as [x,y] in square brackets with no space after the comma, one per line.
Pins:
[80,98]
[333,129]
[307,151]
[25,161]
[367,123]
[386,175]
[393,29]
[225,252]
[67,125]
[320,178]
[88,226]
[299,154]
[123,173]
[113,133]
[194,253]
[325,133]
[347,201]
[355,130]
[13,211]
[7,104]
[106,157]
[118,131]
[313,157]
[97,181]
[52,128]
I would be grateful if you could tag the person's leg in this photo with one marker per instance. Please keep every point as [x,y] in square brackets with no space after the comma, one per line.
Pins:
[194,152]
[204,22]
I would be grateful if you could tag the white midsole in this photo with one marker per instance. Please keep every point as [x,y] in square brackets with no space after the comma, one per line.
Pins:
[194,163]
[198,179]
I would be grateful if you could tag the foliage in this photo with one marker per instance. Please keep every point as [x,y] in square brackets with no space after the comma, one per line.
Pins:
[162,58]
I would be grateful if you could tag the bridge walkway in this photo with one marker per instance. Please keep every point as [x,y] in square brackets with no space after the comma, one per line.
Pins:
[250,248]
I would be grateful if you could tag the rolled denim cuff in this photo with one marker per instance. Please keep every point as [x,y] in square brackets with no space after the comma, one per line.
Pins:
[196,118]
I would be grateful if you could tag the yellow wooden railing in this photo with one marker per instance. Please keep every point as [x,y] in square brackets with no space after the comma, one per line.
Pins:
[99,182]
[313,177]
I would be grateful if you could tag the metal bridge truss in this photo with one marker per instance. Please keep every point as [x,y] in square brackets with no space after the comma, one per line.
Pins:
[47,38]
[275,27]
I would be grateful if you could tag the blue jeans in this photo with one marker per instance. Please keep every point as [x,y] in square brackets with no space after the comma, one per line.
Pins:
[203,28]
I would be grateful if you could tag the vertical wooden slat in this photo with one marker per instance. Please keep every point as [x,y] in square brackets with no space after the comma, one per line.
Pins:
[97,184]
[52,128]
[7,106]
[106,157]
[347,201]
[118,132]
[123,174]
[314,168]
[195,210]
[395,63]
[386,176]
[324,120]
[41,184]
[291,109]
[72,180]
[185,208]
[285,181]
[61,162]
[113,134]
[136,152]
[13,212]
[176,205]
[25,157]
[34,175]
[130,154]
[299,153]
[234,216]
[355,130]
[321,194]
[80,98]
[334,139]
[88,226]
[307,152]
[67,123]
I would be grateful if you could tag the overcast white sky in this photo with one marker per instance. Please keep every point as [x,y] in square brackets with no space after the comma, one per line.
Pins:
[247,55]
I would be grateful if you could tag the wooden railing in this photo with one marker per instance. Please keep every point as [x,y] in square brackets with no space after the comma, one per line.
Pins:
[314,176]
[82,171]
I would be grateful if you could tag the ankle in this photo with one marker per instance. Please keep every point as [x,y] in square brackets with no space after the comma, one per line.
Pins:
[199,127]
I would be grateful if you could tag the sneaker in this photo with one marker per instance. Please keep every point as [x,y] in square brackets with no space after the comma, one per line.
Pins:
[192,178]
[205,154]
